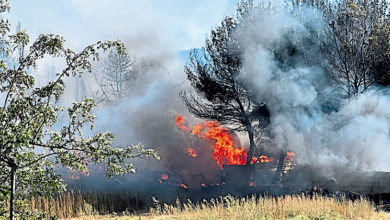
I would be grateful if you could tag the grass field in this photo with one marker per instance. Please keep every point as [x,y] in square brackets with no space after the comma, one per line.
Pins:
[289,207]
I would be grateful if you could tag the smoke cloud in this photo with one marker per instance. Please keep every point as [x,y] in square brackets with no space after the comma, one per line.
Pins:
[326,132]
[147,116]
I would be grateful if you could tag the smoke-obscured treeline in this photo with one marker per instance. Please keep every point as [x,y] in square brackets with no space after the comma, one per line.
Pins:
[305,76]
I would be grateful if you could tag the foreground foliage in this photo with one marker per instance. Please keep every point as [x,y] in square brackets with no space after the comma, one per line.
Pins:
[37,133]
[228,207]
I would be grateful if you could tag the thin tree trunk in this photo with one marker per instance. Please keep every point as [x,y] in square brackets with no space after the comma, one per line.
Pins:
[279,169]
[252,145]
[12,196]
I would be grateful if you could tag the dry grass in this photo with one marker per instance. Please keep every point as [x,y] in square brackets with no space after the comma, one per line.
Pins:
[74,204]
[65,205]
[288,207]
[109,217]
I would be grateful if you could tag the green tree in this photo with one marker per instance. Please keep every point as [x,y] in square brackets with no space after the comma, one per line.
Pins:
[32,143]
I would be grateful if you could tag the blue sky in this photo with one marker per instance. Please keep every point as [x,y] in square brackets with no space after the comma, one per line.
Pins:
[181,24]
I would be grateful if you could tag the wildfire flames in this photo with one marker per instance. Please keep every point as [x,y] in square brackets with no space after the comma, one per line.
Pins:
[191,152]
[180,123]
[163,178]
[290,156]
[224,152]
[261,159]
[183,185]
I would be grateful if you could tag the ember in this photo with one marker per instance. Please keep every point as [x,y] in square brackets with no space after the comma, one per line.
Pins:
[180,123]
[290,156]
[191,152]
[264,159]
[163,178]
[261,159]
[183,185]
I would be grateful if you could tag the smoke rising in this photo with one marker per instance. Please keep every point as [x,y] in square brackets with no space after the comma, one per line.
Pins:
[326,132]
[147,116]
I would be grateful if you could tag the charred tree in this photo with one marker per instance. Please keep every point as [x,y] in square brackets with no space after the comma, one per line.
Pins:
[279,169]
[118,71]
[355,43]
[218,94]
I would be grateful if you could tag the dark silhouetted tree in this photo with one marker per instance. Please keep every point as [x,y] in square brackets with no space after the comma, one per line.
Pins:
[213,73]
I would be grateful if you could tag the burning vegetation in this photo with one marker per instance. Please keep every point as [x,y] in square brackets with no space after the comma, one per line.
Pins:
[272,92]
[191,152]
[224,152]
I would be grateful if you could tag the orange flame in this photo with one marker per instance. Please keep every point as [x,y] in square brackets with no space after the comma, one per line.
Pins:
[224,152]
[183,185]
[197,130]
[163,179]
[290,156]
[254,160]
[251,183]
[264,159]
[180,123]
[191,152]
[261,159]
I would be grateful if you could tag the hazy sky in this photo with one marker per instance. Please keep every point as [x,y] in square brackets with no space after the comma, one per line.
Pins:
[179,23]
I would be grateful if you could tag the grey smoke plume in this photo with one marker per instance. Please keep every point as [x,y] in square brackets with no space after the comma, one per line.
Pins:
[353,134]
[307,116]
[147,116]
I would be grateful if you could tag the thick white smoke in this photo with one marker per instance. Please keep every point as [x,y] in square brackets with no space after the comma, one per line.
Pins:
[355,135]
